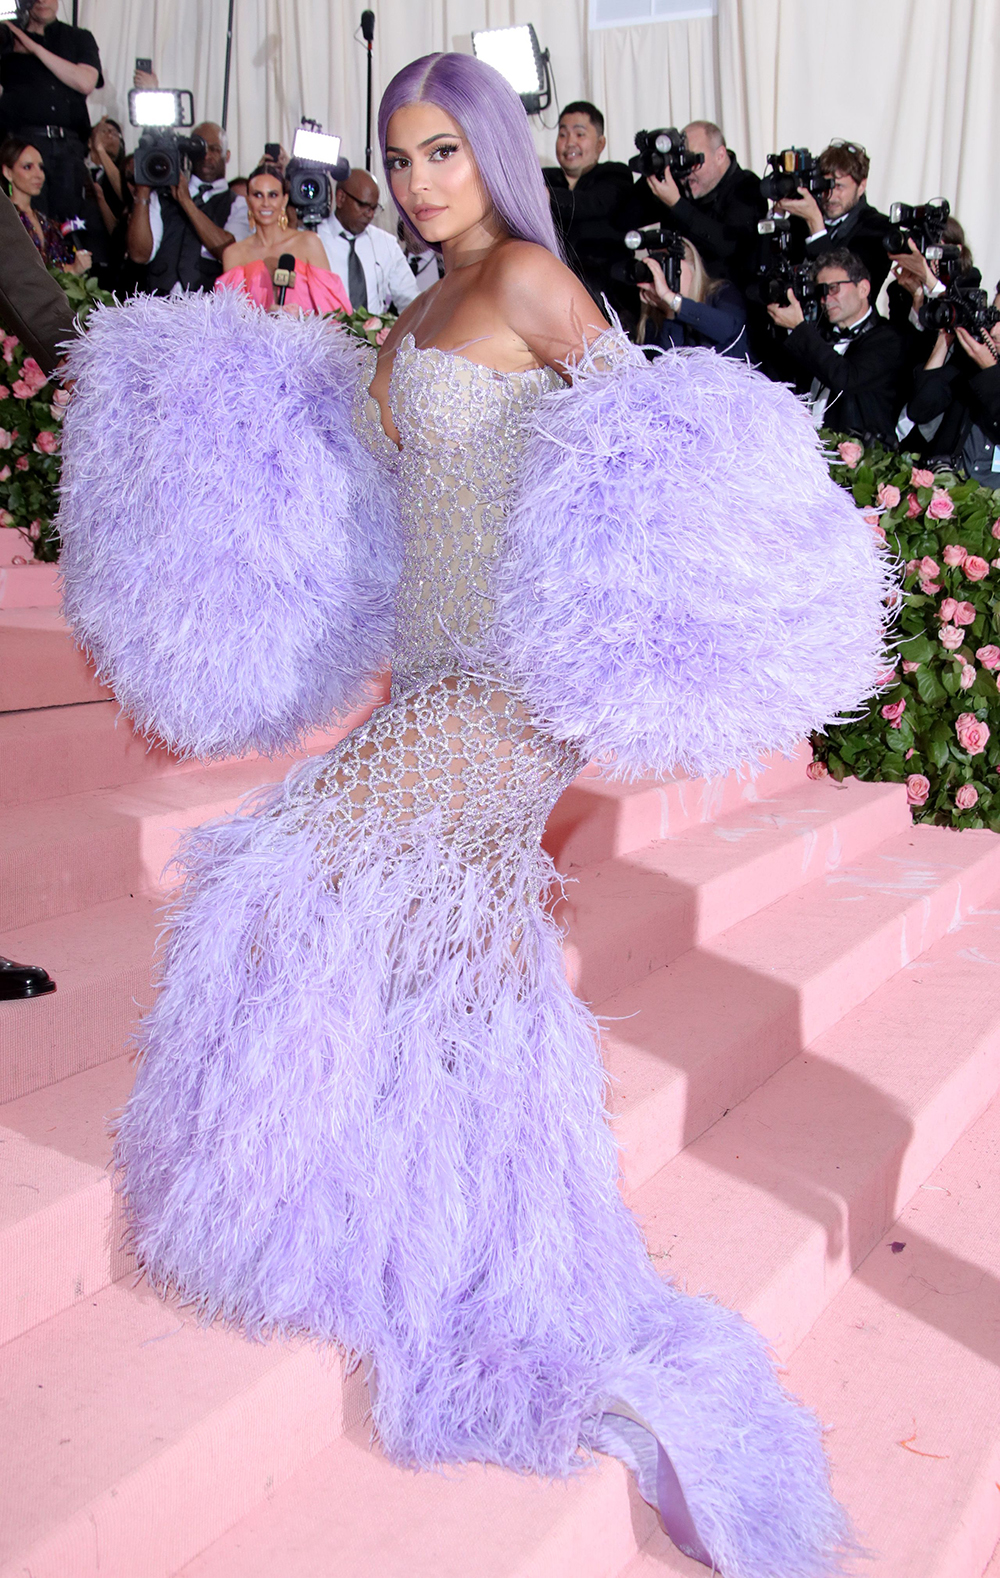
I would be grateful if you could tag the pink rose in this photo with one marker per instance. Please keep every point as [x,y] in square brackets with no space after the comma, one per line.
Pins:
[974,568]
[930,588]
[912,566]
[35,530]
[850,453]
[817,770]
[967,678]
[21,463]
[4,473]
[913,506]
[950,638]
[946,608]
[383,334]
[47,443]
[910,668]
[33,373]
[22,390]
[966,797]
[57,412]
[370,324]
[61,396]
[910,752]
[893,712]
[965,614]
[871,519]
[6,439]
[4,392]
[929,567]
[888,496]
[972,734]
[922,479]
[917,789]
[887,676]
[6,518]
[10,344]
[995,564]
[878,532]
[995,529]
[941,507]
[954,553]
[989,656]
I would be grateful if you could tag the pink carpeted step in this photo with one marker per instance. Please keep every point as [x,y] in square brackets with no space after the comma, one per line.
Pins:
[39,665]
[52,751]
[695,1038]
[101,960]
[29,585]
[141,1435]
[15,548]
[597,819]
[629,917]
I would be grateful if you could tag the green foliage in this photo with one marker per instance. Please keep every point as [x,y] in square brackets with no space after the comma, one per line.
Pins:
[31,409]
[944,742]
[372,327]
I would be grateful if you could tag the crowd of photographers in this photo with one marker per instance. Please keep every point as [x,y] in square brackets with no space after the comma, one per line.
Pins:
[687,247]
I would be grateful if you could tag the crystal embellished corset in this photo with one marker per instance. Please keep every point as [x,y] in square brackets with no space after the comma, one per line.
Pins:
[460,426]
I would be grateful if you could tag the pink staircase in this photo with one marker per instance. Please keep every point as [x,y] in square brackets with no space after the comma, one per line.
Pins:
[803,1033]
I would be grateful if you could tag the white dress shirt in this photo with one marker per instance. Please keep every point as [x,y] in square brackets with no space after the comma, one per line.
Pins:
[388,277]
[238,223]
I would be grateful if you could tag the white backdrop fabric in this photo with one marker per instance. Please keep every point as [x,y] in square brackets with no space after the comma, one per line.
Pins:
[915,81]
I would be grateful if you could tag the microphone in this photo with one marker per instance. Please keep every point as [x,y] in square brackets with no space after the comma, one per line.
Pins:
[368,26]
[284,276]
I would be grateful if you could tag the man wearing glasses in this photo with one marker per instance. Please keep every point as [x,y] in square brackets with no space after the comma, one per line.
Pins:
[369,260]
[843,217]
[852,367]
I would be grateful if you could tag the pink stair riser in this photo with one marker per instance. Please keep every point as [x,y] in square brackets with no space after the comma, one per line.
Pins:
[31,585]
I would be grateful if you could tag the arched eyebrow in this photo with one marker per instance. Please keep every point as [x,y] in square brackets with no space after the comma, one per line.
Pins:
[389,147]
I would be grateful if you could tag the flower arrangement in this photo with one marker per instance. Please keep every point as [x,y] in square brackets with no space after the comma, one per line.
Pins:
[935,724]
[31,409]
[372,327]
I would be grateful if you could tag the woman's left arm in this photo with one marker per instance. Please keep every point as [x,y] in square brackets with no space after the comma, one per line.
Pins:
[722,321]
[546,306]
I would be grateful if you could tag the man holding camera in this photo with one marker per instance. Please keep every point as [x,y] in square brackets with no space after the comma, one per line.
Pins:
[720,208]
[369,261]
[842,215]
[852,370]
[181,232]
[591,201]
[47,70]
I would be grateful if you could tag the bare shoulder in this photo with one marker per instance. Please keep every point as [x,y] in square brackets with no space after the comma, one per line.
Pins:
[544,303]
[520,266]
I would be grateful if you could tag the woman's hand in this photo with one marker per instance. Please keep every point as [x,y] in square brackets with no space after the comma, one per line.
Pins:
[659,294]
[912,270]
[982,352]
[81,264]
[939,355]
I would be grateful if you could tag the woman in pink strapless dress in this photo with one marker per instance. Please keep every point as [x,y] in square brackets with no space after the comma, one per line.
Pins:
[249,265]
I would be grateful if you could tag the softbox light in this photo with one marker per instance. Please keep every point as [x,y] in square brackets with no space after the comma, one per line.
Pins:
[516,54]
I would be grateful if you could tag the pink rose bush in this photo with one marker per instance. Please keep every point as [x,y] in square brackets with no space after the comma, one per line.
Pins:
[933,725]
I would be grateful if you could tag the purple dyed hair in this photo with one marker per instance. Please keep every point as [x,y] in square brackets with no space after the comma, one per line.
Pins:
[493,119]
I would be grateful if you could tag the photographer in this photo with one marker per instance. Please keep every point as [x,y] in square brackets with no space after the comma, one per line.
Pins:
[590,201]
[852,371]
[952,417]
[180,234]
[47,70]
[842,216]
[719,210]
[369,260]
[703,311]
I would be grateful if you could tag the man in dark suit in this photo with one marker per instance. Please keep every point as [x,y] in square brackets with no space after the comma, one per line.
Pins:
[851,367]
[843,217]
[590,203]
[717,209]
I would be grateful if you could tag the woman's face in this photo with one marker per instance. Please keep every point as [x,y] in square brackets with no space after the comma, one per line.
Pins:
[266,199]
[27,175]
[432,173]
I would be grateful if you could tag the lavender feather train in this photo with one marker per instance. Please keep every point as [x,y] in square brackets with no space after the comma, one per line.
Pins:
[685,586]
[229,550]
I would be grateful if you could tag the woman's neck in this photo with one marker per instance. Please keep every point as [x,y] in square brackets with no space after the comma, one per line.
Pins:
[21,200]
[473,245]
[271,234]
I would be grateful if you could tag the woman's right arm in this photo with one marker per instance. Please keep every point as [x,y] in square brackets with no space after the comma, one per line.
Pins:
[721,321]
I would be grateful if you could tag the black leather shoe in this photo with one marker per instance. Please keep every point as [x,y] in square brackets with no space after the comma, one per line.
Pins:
[23,980]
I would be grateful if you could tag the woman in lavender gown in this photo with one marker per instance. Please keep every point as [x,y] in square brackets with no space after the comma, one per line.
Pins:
[368,1107]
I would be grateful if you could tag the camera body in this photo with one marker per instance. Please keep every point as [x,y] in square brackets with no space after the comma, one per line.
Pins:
[791,169]
[310,191]
[923,224]
[799,278]
[663,149]
[665,245]
[962,306]
[162,154]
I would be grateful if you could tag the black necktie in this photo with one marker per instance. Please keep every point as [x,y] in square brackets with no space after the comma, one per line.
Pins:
[203,187]
[357,289]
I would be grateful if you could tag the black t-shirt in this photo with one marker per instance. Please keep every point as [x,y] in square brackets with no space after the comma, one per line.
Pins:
[32,95]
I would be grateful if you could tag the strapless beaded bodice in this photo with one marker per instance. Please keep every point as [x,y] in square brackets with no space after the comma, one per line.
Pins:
[459,424]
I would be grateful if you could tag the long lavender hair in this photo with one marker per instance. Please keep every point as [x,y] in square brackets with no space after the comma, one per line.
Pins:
[492,117]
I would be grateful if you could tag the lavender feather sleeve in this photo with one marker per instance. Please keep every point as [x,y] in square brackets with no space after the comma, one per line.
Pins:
[685,587]
[230,551]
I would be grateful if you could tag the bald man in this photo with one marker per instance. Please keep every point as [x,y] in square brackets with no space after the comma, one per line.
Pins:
[369,260]
[181,233]
[717,208]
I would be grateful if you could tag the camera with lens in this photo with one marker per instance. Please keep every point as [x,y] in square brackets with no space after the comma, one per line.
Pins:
[661,150]
[20,14]
[791,169]
[161,155]
[962,306]
[311,171]
[924,225]
[666,246]
[799,278]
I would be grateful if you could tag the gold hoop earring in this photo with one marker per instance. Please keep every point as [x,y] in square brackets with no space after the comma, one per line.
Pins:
[283,221]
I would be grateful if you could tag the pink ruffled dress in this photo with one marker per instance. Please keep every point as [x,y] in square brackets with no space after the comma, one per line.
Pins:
[315,289]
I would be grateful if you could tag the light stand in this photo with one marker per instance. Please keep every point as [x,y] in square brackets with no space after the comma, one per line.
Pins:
[229,58]
[368,34]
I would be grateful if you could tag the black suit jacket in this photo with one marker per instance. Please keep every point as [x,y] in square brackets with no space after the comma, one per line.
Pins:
[861,232]
[864,381]
[31,304]
[961,394]
[722,224]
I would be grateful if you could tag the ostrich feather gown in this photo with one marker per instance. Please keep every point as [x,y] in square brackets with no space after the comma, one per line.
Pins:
[370,1109]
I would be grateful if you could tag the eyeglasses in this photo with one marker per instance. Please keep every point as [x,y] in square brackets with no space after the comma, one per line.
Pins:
[366,208]
[851,147]
[831,287]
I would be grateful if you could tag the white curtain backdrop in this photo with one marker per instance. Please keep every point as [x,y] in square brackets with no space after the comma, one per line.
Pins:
[916,81]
